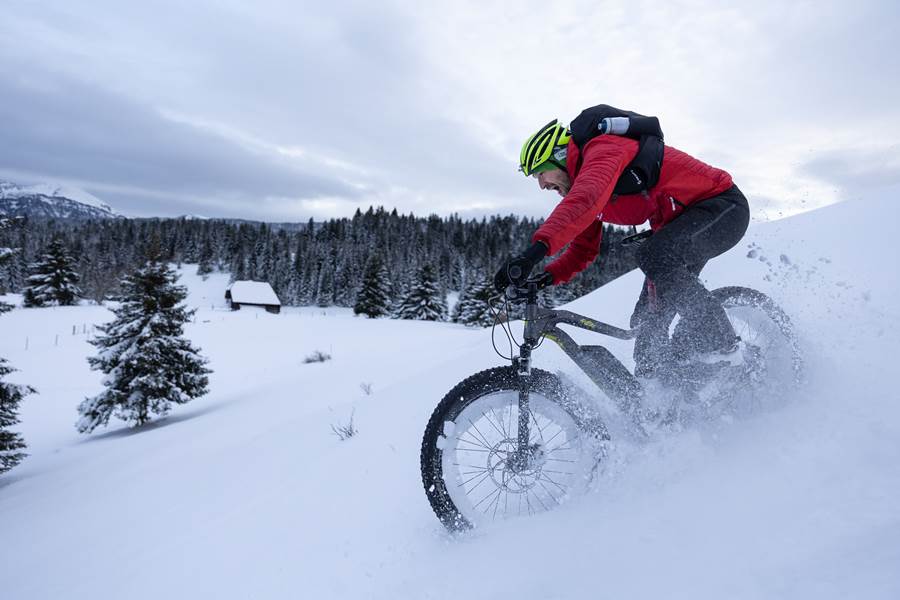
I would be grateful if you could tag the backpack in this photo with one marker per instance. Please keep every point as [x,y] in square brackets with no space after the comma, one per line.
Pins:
[642,173]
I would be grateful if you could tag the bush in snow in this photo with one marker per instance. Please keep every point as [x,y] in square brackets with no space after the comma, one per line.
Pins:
[424,301]
[317,356]
[374,298]
[52,278]
[149,366]
[345,431]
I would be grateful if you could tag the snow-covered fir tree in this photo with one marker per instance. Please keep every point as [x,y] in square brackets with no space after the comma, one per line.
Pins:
[374,298]
[424,300]
[205,259]
[472,307]
[325,289]
[53,278]
[11,443]
[149,366]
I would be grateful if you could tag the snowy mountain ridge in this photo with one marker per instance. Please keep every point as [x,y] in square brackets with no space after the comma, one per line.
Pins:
[52,201]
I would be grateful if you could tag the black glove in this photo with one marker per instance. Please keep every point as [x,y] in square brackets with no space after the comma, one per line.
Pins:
[516,270]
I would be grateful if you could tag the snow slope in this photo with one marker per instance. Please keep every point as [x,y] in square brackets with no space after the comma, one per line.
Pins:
[247,494]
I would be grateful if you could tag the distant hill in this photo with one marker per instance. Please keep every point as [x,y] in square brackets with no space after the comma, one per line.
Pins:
[52,202]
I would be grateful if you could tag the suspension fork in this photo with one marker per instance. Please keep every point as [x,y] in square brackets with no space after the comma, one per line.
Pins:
[523,372]
[524,376]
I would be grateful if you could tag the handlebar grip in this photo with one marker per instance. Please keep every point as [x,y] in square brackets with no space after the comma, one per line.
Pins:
[514,272]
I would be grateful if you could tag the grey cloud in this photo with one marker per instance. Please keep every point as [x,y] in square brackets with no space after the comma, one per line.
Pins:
[856,171]
[67,129]
[344,81]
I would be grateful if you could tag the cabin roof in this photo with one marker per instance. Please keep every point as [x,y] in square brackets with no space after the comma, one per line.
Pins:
[253,292]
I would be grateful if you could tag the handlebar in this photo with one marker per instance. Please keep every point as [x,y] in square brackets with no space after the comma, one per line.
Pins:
[527,291]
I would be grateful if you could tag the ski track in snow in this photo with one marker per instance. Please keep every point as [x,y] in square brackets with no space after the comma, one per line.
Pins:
[246,493]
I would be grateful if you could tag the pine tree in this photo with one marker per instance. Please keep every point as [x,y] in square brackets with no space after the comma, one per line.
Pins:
[374,298]
[11,444]
[205,259]
[425,300]
[53,278]
[325,288]
[148,364]
[473,308]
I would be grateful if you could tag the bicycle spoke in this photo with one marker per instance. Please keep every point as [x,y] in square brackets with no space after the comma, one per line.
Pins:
[485,475]
[549,493]
[472,450]
[500,422]
[479,471]
[544,506]
[538,425]
[496,504]
[506,504]
[475,427]
[471,466]
[475,443]
[557,472]
[496,491]
[554,437]
[559,448]
[491,423]
[561,488]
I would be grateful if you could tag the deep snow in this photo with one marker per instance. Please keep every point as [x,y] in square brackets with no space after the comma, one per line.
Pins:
[246,493]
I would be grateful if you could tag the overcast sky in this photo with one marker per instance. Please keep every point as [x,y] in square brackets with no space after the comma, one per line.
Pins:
[286,110]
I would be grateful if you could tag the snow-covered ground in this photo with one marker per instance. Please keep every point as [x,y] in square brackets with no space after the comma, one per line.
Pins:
[246,493]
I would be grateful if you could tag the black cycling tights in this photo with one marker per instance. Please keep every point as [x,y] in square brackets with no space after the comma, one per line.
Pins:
[672,260]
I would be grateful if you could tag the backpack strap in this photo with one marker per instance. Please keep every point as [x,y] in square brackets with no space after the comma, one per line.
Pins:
[642,173]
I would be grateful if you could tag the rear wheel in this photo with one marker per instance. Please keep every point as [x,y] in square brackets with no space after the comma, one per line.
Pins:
[471,469]
[772,359]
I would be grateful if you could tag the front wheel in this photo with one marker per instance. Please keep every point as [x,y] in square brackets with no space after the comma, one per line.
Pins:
[471,468]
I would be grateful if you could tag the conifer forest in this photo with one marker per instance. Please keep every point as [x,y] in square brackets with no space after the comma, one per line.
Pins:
[316,263]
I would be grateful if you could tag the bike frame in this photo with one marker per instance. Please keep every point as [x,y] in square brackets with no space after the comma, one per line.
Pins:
[597,362]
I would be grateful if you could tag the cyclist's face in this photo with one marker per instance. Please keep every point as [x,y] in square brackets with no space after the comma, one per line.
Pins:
[554,179]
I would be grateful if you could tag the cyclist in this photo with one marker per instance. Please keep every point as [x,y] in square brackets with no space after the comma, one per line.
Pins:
[694,209]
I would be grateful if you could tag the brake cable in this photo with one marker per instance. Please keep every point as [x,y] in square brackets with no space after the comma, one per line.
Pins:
[504,325]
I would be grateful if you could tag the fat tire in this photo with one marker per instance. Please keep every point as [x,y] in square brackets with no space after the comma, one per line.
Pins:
[737,296]
[498,379]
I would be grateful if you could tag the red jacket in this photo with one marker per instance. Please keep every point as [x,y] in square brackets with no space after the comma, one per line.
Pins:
[578,219]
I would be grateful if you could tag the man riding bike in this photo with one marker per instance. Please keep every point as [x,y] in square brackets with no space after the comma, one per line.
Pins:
[695,211]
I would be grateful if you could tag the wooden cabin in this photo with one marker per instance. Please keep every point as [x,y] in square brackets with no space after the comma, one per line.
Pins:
[252,293]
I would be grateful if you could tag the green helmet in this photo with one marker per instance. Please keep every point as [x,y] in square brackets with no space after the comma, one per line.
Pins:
[544,150]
